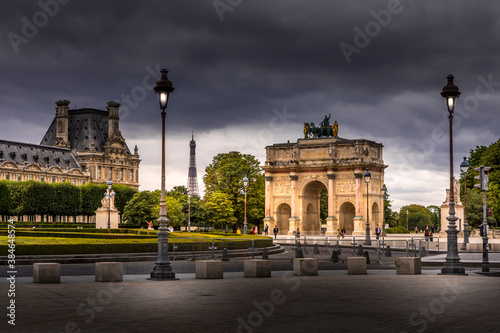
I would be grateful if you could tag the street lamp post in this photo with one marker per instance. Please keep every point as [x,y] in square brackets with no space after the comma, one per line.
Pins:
[162,269]
[384,193]
[452,264]
[189,211]
[464,167]
[110,183]
[407,213]
[367,177]
[245,185]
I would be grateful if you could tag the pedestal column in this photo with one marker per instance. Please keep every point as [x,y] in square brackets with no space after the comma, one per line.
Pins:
[331,221]
[358,218]
[269,204]
[293,220]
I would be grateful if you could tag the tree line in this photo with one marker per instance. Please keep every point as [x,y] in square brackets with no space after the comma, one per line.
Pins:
[223,204]
[31,198]
[487,156]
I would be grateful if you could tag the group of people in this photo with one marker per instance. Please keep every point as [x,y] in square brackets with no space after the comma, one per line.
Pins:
[341,233]
[150,226]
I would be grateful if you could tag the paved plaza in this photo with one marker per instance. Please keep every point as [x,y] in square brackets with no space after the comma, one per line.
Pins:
[333,301]
[380,301]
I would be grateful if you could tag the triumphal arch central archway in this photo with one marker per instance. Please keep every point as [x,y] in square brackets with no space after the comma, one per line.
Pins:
[296,173]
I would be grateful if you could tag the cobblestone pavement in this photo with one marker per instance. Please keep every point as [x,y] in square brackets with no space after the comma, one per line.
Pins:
[280,262]
[380,301]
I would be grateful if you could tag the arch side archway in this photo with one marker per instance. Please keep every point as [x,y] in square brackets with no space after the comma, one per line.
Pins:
[283,213]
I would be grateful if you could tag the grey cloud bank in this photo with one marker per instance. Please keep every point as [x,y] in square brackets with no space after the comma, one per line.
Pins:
[261,57]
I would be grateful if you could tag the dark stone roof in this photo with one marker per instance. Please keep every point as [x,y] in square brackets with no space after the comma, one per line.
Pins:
[27,153]
[85,126]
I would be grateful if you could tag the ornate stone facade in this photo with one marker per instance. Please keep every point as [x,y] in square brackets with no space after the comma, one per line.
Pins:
[296,173]
[459,210]
[24,161]
[80,146]
[95,140]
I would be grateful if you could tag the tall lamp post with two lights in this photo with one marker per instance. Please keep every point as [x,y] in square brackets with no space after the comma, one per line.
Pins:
[163,269]
[367,177]
[109,195]
[452,263]
[384,193]
[245,185]
[464,167]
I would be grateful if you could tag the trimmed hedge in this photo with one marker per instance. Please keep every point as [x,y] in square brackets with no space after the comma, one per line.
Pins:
[20,225]
[146,246]
[397,230]
[87,231]
[77,235]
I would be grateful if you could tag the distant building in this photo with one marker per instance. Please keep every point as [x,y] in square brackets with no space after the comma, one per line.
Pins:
[95,140]
[24,161]
[80,146]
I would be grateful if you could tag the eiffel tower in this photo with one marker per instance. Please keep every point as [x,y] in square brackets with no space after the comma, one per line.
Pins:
[192,174]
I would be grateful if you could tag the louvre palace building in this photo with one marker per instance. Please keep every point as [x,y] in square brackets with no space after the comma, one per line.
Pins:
[80,146]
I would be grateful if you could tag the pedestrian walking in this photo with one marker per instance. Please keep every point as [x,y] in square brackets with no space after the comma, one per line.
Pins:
[266,230]
[297,234]
[427,232]
[378,232]
[275,231]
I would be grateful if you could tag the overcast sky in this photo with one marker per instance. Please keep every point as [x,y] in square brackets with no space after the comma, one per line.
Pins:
[249,73]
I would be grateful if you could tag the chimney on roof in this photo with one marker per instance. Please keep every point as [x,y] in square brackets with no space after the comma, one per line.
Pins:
[62,120]
[113,118]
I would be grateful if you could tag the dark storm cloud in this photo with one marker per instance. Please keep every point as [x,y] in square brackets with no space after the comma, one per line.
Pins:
[265,55]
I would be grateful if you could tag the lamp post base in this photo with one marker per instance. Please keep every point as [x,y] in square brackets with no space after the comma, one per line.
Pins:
[367,241]
[452,265]
[162,272]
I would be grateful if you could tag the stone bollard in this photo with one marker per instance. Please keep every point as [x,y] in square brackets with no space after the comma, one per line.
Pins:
[224,255]
[388,251]
[316,249]
[356,266]
[305,266]
[335,256]
[265,255]
[209,269]
[256,268]
[109,271]
[46,273]
[299,253]
[423,252]
[408,265]
[367,256]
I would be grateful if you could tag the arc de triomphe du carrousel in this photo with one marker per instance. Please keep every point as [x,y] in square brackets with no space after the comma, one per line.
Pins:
[296,173]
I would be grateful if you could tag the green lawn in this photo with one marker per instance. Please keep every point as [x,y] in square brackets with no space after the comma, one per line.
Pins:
[31,245]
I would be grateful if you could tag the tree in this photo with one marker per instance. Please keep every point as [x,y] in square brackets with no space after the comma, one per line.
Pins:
[92,195]
[435,215]
[219,208]
[225,175]
[389,215]
[488,156]
[475,208]
[123,194]
[416,215]
[5,199]
[145,206]
[66,200]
